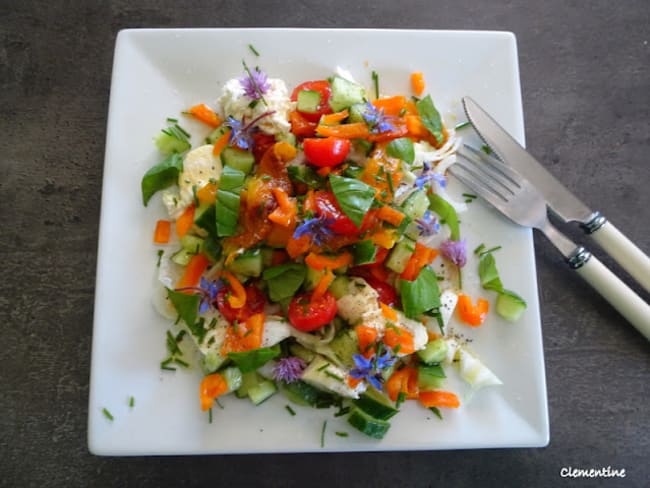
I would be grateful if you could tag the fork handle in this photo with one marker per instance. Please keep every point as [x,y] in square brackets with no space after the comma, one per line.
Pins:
[617,293]
[628,255]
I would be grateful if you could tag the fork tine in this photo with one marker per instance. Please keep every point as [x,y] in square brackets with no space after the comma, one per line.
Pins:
[486,169]
[478,185]
[496,164]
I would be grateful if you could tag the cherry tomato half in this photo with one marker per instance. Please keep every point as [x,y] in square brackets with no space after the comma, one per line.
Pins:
[327,151]
[322,87]
[254,304]
[307,315]
[328,207]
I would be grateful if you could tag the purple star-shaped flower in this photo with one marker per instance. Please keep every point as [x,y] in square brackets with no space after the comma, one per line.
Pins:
[376,120]
[455,251]
[316,228]
[255,83]
[428,225]
[428,175]
[208,291]
[242,135]
[289,369]
[369,369]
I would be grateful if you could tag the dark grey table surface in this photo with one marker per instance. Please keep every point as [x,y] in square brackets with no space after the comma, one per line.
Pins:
[585,75]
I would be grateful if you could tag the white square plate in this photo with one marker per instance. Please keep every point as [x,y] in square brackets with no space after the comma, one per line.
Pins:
[158,74]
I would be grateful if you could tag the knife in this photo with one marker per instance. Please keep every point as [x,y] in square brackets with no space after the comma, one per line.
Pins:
[560,200]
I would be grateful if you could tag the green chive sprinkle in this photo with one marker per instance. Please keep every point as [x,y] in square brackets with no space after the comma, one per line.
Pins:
[486,149]
[290,410]
[322,434]
[436,412]
[462,125]
[253,50]
[210,416]
[333,376]
[180,362]
[469,195]
[400,399]
[107,414]
[172,120]
[479,248]
[342,434]
[492,249]
[375,81]
[324,366]
[160,255]
[131,402]
[218,403]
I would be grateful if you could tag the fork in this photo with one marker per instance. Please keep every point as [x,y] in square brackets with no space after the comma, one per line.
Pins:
[519,200]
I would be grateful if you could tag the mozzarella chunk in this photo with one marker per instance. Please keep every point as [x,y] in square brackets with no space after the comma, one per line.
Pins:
[361,298]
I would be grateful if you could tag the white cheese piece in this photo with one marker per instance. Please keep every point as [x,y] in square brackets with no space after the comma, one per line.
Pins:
[361,298]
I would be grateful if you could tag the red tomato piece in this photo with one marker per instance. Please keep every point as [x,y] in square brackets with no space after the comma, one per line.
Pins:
[307,315]
[328,207]
[254,304]
[387,294]
[322,87]
[261,142]
[327,151]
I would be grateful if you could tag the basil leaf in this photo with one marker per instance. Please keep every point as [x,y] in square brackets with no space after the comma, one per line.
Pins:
[364,252]
[284,280]
[231,183]
[161,176]
[186,305]
[447,213]
[487,272]
[353,196]
[248,361]
[402,148]
[420,295]
[430,117]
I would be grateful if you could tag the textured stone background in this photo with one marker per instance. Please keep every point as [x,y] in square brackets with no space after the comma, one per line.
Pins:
[585,73]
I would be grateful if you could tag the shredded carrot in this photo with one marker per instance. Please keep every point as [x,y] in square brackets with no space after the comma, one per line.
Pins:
[367,338]
[193,271]
[322,286]
[390,215]
[321,261]
[238,297]
[212,386]
[162,232]
[206,115]
[221,143]
[399,338]
[392,106]
[287,209]
[473,315]
[185,222]
[388,312]
[438,398]
[207,194]
[357,130]
[335,118]
[417,83]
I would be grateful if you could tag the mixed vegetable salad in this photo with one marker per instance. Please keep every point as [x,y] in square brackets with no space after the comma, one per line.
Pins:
[312,249]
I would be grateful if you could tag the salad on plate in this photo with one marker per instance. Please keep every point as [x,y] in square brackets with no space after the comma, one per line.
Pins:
[312,249]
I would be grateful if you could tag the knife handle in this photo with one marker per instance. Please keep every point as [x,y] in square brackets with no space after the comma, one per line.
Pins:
[628,255]
[617,293]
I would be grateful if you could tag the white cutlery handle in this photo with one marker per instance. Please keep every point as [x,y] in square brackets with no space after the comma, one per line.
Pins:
[618,294]
[628,255]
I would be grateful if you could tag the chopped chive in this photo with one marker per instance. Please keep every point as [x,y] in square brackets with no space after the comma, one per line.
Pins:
[182,131]
[253,50]
[290,410]
[342,411]
[172,345]
[180,362]
[107,414]
[172,120]
[342,434]
[209,415]
[400,399]
[324,366]
[253,104]
[248,332]
[257,88]
[131,402]
[160,255]
[397,348]
[486,149]
[389,180]
[216,400]
[436,412]
[333,376]
[479,248]
[168,368]
[492,249]
[469,195]
[181,334]
[375,81]
[322,434]
[462,125]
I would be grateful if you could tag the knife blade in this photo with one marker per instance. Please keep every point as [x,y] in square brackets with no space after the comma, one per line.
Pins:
[559,199]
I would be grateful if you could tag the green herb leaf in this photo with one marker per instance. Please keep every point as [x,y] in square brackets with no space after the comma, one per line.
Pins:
[430,117]
[131,402]
[447,213]
[401,148]
[487,272]
[306,175]
[253,50]
[186,305]
[107,414]
[436,412]
[248,361]
[284,280]
[290,410]
[231,183]
[420,295]
[161,176]
[353,196]
[364,252]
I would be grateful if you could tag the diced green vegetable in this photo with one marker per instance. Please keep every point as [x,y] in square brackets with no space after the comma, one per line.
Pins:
[248,263]
[305,174]
[302,393]
[233,377]
[416,205]
[308,101]
[368,425]
[238,159]
[249,380]
[376,404]
[262,391]
[434,352]
[172,140]
[251,360]
[344,345]
[400,255]
[430,377]
[510,306]
[205,218]
[364,252]
[345,93]
[487,271]
[447,213]
[339,286]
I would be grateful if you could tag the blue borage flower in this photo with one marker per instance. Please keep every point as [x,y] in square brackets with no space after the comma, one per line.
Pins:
[316,228]
[255,83]
[369,369]
[428,225]
[428,175]
[208,291]
[455,251]
[376,120]
[242,135]
[289,369]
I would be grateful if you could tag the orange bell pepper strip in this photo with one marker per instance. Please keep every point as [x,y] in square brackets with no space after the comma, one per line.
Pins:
[388,312]
[335,118]
[286,211]
[473,315]
[324,171]
[384,237]
[392,106]
[244,336]
[367,338]
[221,143]
[162,232]
[300,126]
[322,286]
[419,259]
[296,247]
[279,235]
[417,83]
[207,194]
[415,127]
[185,222]
[399,340]
[206,115]
[212,386]
[237,298]
[193,271]
[357,130]
[309,204]
[321,261]
[438,398]
[390,215]
[405,381]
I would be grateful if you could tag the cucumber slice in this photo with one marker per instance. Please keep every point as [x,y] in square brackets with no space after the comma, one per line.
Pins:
[400,255]
[216,134]
[301,393]
[312,277]
[205,218]
[371,426]
[262,391]
[416,205]
[248,381]
[183,257]
[247,264]
[510,306]
[192,244]
[302,352]
[212,249]
[308,101]
[434,352]
[344,345]
[430,377]
[376,404]
[345,93]
[339,286]
[233,377]
[212,361]
[356,111]
[168,142]
[365,252]
[238,159]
